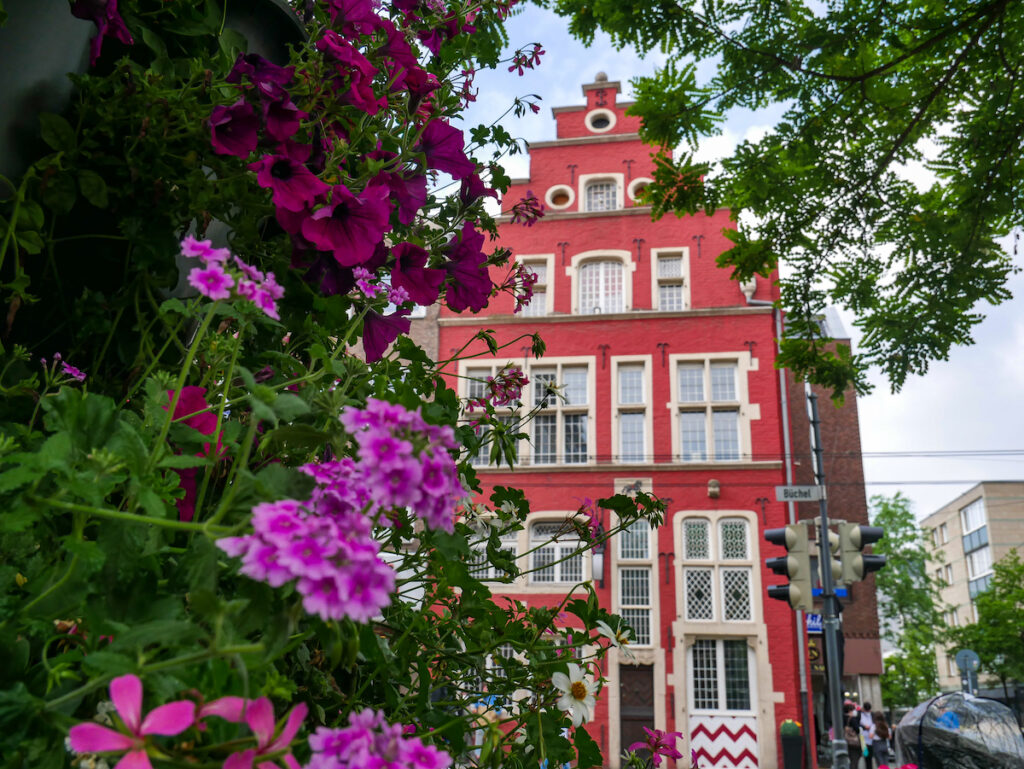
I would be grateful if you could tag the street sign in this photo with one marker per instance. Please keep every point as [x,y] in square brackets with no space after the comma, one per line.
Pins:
[799,493]
[813,623]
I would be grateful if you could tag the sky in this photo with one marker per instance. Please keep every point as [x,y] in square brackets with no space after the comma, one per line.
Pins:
[960,423]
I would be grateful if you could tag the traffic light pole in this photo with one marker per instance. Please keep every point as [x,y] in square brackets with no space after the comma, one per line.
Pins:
[830,614]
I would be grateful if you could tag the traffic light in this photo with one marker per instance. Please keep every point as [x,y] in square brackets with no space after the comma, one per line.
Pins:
[796,565]
[852,539]
[837,565]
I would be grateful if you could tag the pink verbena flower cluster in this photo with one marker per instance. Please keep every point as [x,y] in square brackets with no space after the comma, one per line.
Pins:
[406,462]
[224,275]
[528,210]
[370,742]
[504,388]
[325,544]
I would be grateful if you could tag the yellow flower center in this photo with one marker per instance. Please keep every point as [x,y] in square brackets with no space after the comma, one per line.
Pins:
[578,690]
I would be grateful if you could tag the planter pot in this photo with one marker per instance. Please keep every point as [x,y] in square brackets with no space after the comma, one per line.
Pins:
[42,43]
[792,751]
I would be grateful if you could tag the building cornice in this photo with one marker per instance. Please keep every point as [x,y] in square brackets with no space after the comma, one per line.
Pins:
[583,107]
[575,140]
[616,467]
[537,320]
[554,216]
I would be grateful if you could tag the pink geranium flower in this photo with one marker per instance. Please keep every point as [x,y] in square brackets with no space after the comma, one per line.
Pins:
[126,693]
[259,715]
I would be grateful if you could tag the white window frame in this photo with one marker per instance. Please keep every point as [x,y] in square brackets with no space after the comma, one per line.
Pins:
[944,533]
[567,541]
[645,363]
[488,572]
[616,179]
[605,273]
[976,506]
[471,377]
[972,558]
[572,271]
[745,411]
[627,560]
[949,574]
[683,253]
[719,646]
[556,407]
[534,309]
[719,566]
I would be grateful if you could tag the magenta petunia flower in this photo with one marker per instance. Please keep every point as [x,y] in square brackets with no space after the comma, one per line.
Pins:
[259,70]
[444,148]
[354,15]
[294,188]
[126,694]
[282,118]
[470,285]
[409,194]
[211,281]
[103,13]
[233,129]
[473,188]
[355,69]
[352,226]
[423,284]
[381,330]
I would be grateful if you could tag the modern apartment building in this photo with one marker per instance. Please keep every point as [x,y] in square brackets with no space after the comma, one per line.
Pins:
[970,534]
[668,383]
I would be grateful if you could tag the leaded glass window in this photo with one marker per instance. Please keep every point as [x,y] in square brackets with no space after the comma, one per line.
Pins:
[601,287]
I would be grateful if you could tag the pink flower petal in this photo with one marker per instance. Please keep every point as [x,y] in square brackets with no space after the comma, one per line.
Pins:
[260,717]
[137,759]
[229,708]
[126,692]
[295,718]
[93,738]
[241,760]
[169,719]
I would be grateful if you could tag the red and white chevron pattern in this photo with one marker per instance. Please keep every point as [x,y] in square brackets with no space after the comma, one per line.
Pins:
[724,742]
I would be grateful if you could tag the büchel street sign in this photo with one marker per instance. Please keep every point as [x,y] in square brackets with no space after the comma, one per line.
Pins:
[799,493]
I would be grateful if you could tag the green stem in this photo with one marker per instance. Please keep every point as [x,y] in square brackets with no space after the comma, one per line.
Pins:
[154,361]
[231,483]
[117,515]
[161,440]
[201,496]
[13,221]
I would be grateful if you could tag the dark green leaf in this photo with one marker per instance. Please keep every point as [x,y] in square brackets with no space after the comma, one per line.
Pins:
[57,132]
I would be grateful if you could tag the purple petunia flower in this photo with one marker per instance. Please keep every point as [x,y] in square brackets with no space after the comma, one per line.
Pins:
[473,188]
[381,330]
[211,281]
[294,188]
[409,194]
[410,272]
[354,69]
[282,118]
[103,13]
[357,16]
[233,129]
[470,286]
[259,70]
[444,148]
[352,226]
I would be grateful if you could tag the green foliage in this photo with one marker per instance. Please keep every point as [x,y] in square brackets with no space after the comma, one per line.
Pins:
[910,612]
[864,90]
[997,636]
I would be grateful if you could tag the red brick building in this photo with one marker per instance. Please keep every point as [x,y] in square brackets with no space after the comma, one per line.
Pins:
[669,386]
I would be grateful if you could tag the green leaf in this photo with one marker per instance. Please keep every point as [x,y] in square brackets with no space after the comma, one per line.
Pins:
[182,461]
[93,188]
[59,192]
[587,750]
[30,241]
[289,407]
[108,663]
[57,132]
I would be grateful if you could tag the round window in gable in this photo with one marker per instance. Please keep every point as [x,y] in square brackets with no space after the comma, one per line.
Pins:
[559,197]
[636,188]
[600,120]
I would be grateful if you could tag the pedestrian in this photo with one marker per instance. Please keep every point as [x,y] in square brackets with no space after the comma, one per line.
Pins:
[880,742]
[867,731]
[851,733]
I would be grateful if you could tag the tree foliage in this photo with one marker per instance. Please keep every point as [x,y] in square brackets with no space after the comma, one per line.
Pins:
[998,635]
[866,89]
[910,614]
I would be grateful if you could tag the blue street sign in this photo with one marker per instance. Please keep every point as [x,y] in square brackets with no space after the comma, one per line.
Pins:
[813,623]
[842,592]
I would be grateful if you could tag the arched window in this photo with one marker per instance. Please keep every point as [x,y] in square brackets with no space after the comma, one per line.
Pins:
[601,287]
[556,553]
[717,569]
[601,195]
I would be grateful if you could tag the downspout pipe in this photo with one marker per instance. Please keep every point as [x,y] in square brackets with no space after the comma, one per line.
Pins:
[787,458]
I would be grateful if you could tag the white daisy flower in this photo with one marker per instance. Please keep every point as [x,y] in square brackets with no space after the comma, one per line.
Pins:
[578,692]
[619,639]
